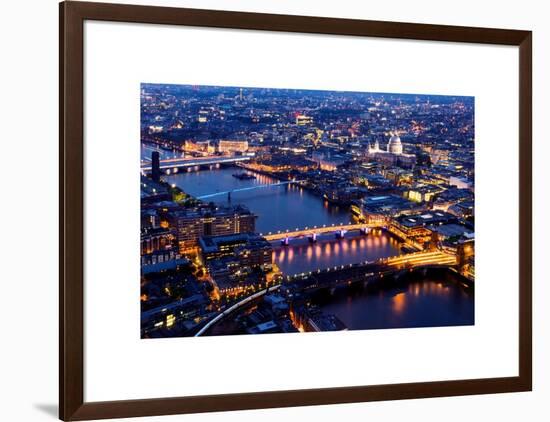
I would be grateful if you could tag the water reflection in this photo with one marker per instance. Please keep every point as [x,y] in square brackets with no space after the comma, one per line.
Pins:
[437,300]
[399,302]
[301,256]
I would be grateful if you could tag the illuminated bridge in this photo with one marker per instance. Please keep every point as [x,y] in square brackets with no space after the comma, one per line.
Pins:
[417,259]
[314,231]
[364,272]
[229,192]
[172,164]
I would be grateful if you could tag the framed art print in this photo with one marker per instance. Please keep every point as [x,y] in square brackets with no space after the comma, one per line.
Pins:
[267,210]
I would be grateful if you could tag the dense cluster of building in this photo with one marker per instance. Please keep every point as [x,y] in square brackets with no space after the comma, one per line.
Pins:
[402,162]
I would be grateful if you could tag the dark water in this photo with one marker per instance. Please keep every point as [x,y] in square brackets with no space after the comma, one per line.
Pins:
[437,300]
[278,207]
[302,256]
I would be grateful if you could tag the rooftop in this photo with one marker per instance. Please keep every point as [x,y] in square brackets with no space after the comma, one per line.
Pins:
[429,218]
[212,244]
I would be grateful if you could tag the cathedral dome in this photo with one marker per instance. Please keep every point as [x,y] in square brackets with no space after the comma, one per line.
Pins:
[394,145]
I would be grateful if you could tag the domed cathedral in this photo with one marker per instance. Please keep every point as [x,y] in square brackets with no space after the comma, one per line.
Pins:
[394,145]
[393,154]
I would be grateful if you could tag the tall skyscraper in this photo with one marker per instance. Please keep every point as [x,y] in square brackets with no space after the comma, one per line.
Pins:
[155,170]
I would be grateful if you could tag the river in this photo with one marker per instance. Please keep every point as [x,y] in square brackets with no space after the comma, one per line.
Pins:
[436,300]
[290,207]
[278,207]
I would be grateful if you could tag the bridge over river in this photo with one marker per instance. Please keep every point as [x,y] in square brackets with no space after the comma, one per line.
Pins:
[352,273]
[248,188]
[345,275]
[171,165]
[314,231]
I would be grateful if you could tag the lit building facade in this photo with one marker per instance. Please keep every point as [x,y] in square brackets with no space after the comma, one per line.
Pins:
[416,229]
[190,225]
[380,209]
[420,192]
[328,161]
[229,146]
[392,155]
[303,120]
[155,239]
[249,249]
[231,259]
[199,146]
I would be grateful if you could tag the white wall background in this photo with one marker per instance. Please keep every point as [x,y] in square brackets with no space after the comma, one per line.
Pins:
[28,251]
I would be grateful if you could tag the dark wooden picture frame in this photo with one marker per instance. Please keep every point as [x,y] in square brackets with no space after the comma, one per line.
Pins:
[71,207]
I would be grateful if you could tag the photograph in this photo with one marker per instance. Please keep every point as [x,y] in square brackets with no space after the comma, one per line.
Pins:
[268,210]
[361,183]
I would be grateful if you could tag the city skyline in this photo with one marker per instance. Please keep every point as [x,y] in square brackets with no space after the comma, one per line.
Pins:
[285,210]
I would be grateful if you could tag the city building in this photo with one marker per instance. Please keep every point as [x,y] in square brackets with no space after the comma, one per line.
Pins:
[199,147]
[418,229]
[238,263]
[155,129]
[461,182]
[438,154]
[284,163]
[393,155]
[380,208]
[466,258]
[155,239]
[303,120]
[421,192]
[155,322]
[329,161]
[453,232]
[249,249]
[372,181]
[462,209]
[310,318]
[192,224]
[450,197]
[345,195]
[398,176]
[161,260]
[232,146]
